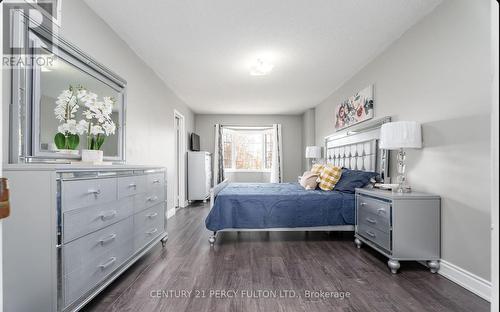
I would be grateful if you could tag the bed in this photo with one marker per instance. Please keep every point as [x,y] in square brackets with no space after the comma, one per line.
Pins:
[288,206]
[278,205]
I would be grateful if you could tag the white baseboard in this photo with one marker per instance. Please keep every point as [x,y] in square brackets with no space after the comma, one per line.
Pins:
[466,279]
[170,213]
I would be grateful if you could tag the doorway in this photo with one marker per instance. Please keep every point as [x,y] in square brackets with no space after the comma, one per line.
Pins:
[180,161]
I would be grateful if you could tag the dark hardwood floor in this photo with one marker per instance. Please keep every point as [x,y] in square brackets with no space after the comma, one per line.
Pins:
[272,272]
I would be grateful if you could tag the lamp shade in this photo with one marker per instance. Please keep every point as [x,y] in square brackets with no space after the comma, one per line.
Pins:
[313,152]
[401,134]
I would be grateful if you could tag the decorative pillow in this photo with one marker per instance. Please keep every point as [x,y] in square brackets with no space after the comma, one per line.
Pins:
[316,168]
[329,176]
[352,179]
[309,180]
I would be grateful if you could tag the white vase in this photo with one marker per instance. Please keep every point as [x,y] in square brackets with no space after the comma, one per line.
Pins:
[93,156]
[67,151]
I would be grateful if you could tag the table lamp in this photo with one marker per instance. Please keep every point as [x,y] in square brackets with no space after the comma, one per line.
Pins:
[399,136]
[313,152]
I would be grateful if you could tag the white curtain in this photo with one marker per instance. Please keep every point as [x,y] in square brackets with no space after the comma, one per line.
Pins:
[277,162]
[218,156]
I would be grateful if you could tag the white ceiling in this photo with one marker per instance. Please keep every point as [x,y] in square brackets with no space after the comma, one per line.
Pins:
[202,49]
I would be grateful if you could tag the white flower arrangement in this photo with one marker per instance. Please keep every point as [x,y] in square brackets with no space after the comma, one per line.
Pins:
[98,119]
[72,127]
[67,106]
[97,122]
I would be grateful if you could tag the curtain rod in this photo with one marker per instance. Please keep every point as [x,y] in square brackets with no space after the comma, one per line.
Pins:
[246,126]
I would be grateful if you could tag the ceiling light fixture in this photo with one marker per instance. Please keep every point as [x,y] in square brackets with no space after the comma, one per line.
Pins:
[260,68]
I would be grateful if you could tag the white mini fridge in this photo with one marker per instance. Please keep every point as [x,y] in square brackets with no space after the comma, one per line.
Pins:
[199,175]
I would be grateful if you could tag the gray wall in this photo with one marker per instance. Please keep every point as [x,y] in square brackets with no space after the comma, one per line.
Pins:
[292,136]
[308,135]
[151,104]
[437,73]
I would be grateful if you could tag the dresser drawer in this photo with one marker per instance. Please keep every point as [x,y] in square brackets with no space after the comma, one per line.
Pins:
[79,222]
[148,224]
[94,246]
[375,235]
[377,221]
[145,219]
[85,278]
[83,193]
[132,185]
[87,261]
[155,181]
[379,208]
[143,201]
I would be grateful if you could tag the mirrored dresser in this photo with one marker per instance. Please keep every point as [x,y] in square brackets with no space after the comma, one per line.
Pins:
[74,229]
[76,224]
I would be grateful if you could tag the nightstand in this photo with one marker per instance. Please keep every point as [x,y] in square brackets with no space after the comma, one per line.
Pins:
[401,226]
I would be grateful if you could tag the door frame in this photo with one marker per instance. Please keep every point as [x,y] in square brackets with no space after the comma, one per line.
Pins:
[181,155]
[494,158]
[1,157]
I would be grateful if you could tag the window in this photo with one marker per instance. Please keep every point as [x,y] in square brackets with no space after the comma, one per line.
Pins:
[248,149]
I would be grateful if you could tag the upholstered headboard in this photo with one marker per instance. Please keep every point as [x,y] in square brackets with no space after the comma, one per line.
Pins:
[358,149]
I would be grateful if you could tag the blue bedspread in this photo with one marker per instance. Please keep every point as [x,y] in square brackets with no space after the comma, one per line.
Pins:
[270,205]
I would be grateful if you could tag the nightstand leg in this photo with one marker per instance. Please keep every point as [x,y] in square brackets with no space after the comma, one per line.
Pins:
[393,265]
[358,242]
[433,266]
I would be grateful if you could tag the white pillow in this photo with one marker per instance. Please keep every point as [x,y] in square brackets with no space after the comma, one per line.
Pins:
[309,180]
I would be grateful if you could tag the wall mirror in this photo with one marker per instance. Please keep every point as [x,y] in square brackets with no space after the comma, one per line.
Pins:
[37,88]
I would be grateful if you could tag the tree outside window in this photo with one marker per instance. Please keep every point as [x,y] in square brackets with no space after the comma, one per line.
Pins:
[248,149]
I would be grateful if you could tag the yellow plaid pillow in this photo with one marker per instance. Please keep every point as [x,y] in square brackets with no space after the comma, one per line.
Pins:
[316,168]
[329,176]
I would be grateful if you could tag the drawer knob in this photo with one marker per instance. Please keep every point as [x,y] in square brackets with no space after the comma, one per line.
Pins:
[370,220]
[370,233]
[152,215]
[152,231]
[363,204]
[108,263]
[152,198]
[156,181]
[381,210]
[133,185]
[94,192]
[107,239]
[108,215]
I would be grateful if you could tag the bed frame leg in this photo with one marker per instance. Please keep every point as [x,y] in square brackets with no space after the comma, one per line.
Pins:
[211,238]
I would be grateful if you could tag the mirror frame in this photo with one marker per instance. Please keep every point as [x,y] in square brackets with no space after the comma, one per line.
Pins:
[24,113]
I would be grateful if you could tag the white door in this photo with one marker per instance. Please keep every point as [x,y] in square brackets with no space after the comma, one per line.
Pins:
[177,162]
[180,160]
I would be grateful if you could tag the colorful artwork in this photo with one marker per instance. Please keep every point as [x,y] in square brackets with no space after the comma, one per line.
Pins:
[355,109]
